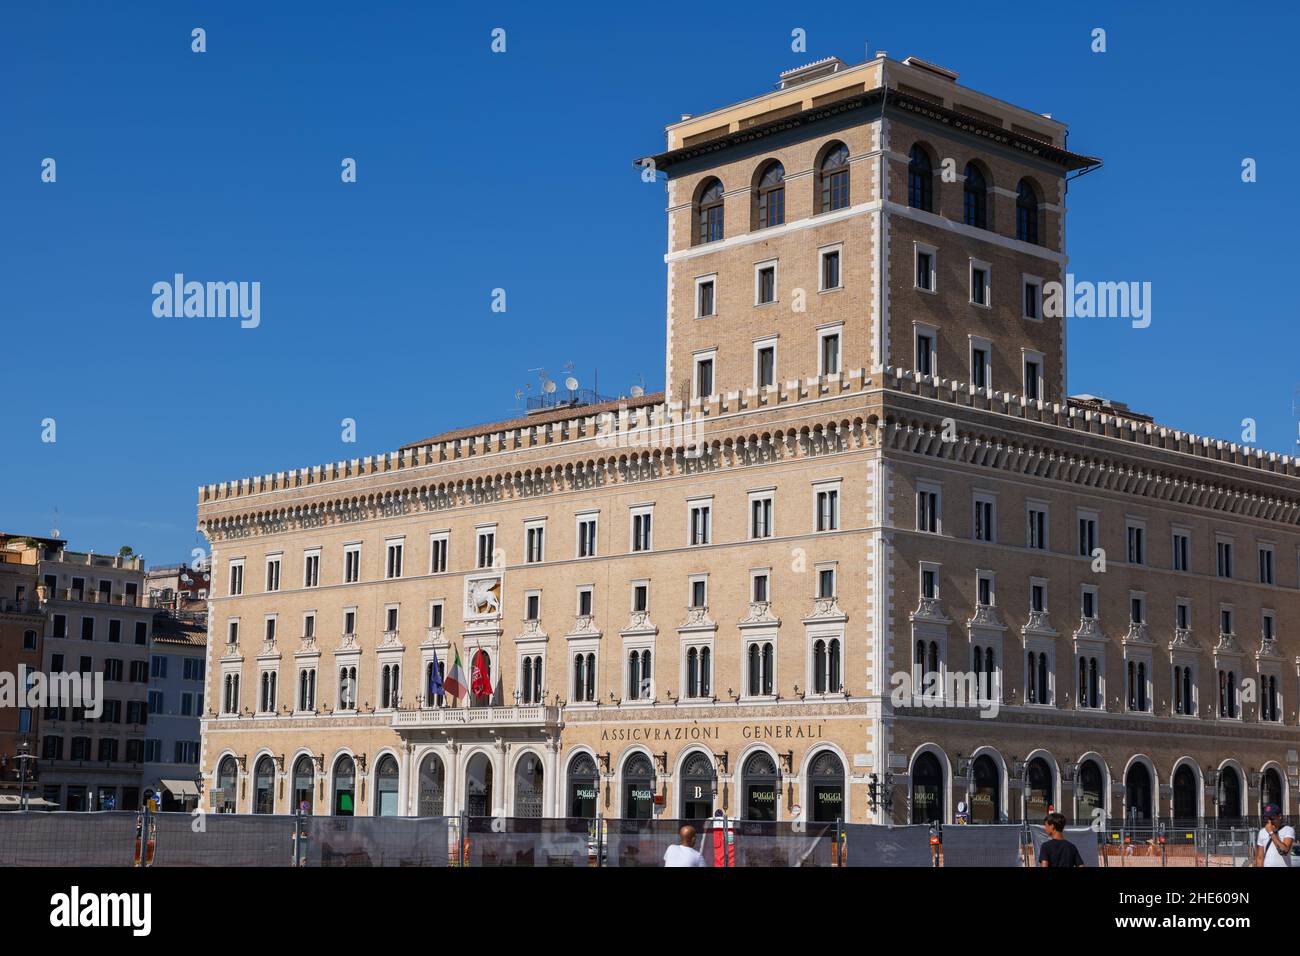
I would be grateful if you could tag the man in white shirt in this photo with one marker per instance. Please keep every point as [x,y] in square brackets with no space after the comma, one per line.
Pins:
[1273,846]
[684,853]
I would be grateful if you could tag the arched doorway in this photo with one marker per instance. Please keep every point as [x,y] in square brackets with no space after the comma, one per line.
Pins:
[345,782]
[303,785]
[478,786]
[386,776]
[432,779]
[528,786]
[584,786]
[1089,794]
[1137,793]
[638,787]
[826,787]
[1184,797]
[1270,789]
[1229,795]
[1040,797]
[698,782]
[927,789]
[264,786]
[227,774]
[986,791]
[758,788]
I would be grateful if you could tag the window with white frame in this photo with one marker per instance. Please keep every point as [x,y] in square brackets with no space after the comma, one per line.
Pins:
[1089,607]
[1184,680]
[587,534]
[309,625]
[700,518]
[985,593]
[1033,362]
[829,258]
[391,625]
[306,689]
[985,517]
[698,593]
[980,278]
[765,282]
[237,576]
[585,593]
[706,296]
[436,614]
[535,541]
[1087,532]
[532,605]
[1266,564]
[485,547]
[1223,556]
[928,502]
[352,563]
[929,580]
[640,674]
[760,585]
[1137,680]
[760,513]
[828,350]
[311,569]
[232,631]
[1091,674]
[827,664]
[584,677]
[266,695]
[349,620]
[765,362]
[1137,607]
[760,668]
[642,517]
[926,274]
[640,596]
[393,549]
[1032,298]
[273,571]
[826,506]
[268,633]
[825,580]
[698,677]
[926,337]
[703,378]
[981,352]
[438,552]
[1136,538]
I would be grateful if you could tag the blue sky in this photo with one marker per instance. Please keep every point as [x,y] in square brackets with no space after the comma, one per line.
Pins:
[479,170]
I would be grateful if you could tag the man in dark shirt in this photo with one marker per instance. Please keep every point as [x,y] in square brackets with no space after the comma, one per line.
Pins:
[1057,851]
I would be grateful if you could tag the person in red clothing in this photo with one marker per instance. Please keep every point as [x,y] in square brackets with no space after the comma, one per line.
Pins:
[724,840]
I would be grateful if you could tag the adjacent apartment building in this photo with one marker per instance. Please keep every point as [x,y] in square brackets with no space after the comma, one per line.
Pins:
[22,626]
[864,558]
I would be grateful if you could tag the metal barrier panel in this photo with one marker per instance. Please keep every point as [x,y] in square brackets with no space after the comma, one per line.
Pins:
[530,841]
[722,843]
[223,839]
[375,841]
[1085,839]
[988,845]
[872,845]
[66,838]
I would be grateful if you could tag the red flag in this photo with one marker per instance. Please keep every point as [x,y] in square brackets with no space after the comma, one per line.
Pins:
[480,681]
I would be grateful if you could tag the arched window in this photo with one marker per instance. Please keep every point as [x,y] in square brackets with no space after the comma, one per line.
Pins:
[1031,679]
[304,791]
[264,785]
[699,662]
[1027,212]
[638,675]
[389,685]
[1089,793]
[347,688]
[1040,798]
[826,787]
[769,197]
[1137,788]
[709,212]
[1229,796]
[920,179]
[584,677]
[833,191]
[1142,686]
[1185,810]
[478,786]
[760,669]
[698,783]
[432,780]
[345,782]
[975,198]
[986,791]
[638,787]
[927,789]
[268,692]
[386,777]
[1271,788]
[528,786]
[584,786]
[532,679]
[1044,688]
[759,788]
[227,774]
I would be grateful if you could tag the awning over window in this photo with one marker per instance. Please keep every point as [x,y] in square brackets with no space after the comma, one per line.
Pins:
[181,788]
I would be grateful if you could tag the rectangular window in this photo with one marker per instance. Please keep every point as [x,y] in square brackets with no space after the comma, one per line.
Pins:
[700,515]
[699,593]
[237,577]
[1225,621]
[587,537]
[115,632]
[87,628]
[925,270]
[1223,551]
[828,509]
[830,353]
[1033,378]
[925,353]
[765,281]
[351,563]
[1183,616]
[584,601]
[765,366]
[393,559]
[984,589]
[641,531]
[390,620]
[929,583]
[349,622]
[1037,517]
[273,574]
[641,597]
[1182,548]
[270,629]
[1136,544]
[826,582]
[979,367]
[758,587]
[311,570]
[1265,568]
[1087,535]
[703,378]
[985,530]
[705,304]
[1089,609]
[830,269]
[927,511]
[485,552]
[1033,293]
[1038,598]
[532,607]
[979,284]
[534,544]
[438,554]
[760,517]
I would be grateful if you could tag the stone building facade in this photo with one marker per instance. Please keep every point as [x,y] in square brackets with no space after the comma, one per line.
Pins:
[864,558]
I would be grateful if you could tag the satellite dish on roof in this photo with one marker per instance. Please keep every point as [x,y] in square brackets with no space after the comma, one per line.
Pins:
[637,391]
[548,386]
[571,383]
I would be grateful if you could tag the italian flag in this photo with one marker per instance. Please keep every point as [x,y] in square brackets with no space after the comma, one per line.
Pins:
[454,683]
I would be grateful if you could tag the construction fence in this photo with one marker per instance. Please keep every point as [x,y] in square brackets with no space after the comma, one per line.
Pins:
[128,838]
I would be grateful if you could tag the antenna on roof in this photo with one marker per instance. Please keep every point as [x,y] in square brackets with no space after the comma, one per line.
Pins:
[54,522]
[637,391]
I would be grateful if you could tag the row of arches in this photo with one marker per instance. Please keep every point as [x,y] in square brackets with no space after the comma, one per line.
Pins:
[977,188]
[831,191]
[584,792]
[933,791]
